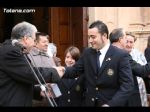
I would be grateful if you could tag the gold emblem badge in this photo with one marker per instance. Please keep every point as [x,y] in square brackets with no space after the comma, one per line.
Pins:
[77,88]
[110,72]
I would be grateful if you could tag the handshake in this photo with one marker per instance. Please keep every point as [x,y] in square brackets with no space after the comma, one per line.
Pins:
[60,70]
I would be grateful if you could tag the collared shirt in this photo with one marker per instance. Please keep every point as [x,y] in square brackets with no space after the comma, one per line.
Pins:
[138,56]
[40,58]
[103,52]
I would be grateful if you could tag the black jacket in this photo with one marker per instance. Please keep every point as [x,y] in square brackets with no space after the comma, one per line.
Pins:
[147,54]
[141,71]
[16,77]
[72,92]
[114,81]
[138,69]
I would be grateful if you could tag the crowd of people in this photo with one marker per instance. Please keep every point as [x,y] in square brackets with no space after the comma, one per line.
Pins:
[109,73]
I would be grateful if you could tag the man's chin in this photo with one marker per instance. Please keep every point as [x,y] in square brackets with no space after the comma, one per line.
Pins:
[93,47]
[128,50]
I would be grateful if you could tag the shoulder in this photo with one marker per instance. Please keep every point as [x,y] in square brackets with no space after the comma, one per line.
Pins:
[10,50]
[89,50]
[147,49]
[34,51]
[117,50]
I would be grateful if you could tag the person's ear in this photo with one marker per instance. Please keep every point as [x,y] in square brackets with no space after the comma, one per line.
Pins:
[120,39]
[105,35]
[25,39]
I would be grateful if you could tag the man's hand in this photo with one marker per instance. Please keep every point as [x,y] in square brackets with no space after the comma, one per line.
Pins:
[57,61]
[48,91]
[60,70]
[49,94]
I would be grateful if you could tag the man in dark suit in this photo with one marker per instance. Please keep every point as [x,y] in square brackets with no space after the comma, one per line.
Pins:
[16,77]
[112,83]
[118,39]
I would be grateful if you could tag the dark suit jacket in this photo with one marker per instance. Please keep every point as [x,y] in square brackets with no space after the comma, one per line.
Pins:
[147,80]
[141,71]
[138,69]
[72,92]
[147,54]
[114,81]
[16,77]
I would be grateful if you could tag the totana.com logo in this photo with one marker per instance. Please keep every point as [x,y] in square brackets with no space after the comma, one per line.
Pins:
[10,10]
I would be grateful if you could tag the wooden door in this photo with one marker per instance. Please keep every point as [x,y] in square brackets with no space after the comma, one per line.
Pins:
[79,19]
[61,29]
[68,26]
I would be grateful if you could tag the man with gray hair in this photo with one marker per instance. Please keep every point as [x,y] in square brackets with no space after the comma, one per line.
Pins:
[16,77]
[118,39]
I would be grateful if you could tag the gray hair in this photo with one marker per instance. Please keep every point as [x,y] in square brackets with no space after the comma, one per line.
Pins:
[23,29]
[116,34]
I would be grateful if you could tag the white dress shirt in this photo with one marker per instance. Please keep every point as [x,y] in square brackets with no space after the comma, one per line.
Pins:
[103,53]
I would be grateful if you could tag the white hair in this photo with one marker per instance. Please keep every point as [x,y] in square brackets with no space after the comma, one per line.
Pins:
[23,29]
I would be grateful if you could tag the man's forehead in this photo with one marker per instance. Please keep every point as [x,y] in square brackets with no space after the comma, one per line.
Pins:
[92,31]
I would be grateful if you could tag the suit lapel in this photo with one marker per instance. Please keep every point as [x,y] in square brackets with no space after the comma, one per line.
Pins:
[107,59]
[72,82]
[93,60]
[66,83]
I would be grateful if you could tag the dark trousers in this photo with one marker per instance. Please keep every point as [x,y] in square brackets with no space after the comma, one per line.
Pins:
[134,100]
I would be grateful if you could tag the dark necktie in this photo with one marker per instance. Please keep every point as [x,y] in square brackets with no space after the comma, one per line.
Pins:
[98,61]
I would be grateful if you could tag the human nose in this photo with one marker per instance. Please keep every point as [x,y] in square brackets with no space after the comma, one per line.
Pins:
[90,40]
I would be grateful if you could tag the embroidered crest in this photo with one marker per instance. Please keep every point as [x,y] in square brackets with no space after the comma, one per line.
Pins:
[110,72]
[77,88]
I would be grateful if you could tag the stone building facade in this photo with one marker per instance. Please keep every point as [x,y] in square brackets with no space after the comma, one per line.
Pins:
[134,19]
